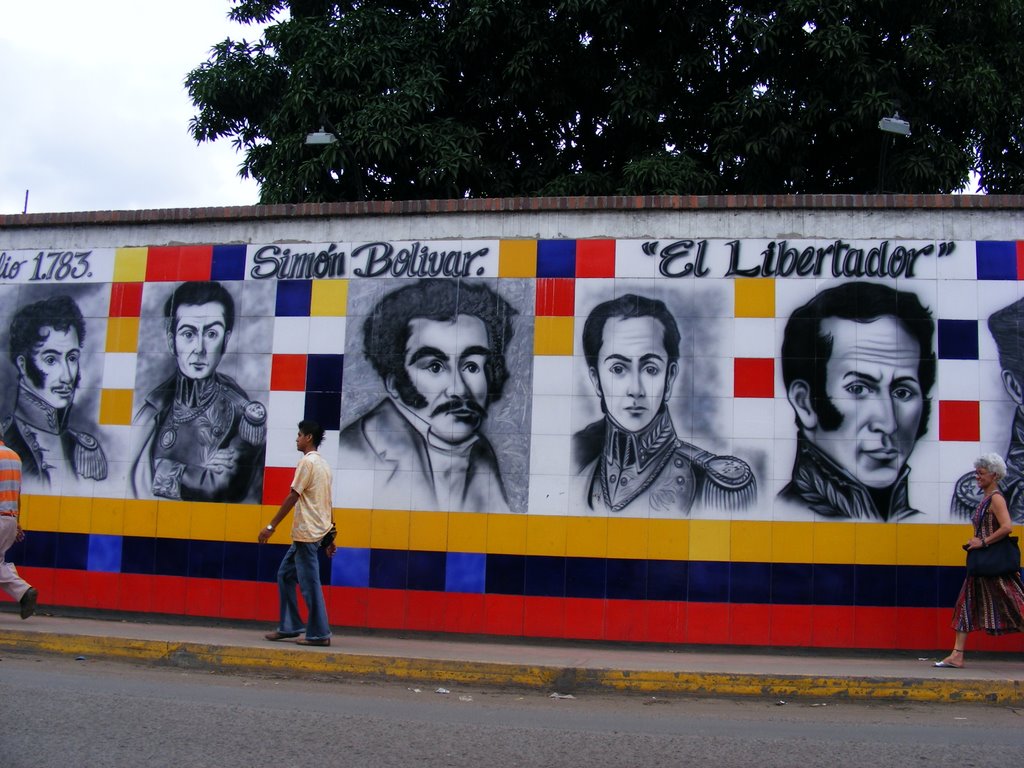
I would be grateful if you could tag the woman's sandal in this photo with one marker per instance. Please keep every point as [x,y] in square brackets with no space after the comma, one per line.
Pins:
[947,664]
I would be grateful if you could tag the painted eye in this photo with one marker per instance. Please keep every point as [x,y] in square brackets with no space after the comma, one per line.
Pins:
[618,369]
[471,368]
[435,367]
[904,393]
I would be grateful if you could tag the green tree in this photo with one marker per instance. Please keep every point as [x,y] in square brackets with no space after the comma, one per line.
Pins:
[487,98]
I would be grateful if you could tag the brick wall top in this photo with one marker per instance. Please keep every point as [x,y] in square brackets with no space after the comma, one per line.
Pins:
[513,204]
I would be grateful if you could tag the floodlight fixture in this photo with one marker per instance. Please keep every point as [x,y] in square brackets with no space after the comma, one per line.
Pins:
[321,137]
[894,124]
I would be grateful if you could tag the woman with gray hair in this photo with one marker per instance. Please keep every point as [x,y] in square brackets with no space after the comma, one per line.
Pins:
[992,603]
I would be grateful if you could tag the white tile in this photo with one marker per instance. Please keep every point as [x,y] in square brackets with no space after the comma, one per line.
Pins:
[285,410]
[281,450]
[326,335]
[119,370]
[990,382]
[754,337]
[924,461]
[926,498]
[552,375]
[549,494]
[753,417]
[962,264]
[550,455]
[957,300]
[631,261]
[552,414]
[353,488]
[291,335]
[957,380]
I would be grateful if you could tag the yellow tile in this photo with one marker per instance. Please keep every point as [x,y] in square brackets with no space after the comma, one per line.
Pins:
[208,521]
[428,531]
[115,406]
[130,265]
[467,532]
[755,297]
[353,527]
[283,533]
[709,539]
[627,537]
[793,542]
[916,544]
[140,517]
[242,522]
[951,540]
[586,537]
[122,334]
[40,513]
[506,534]
[552,335]
[108,516]
[668,539]
[389,529]
[517,258]
[546,535]
[173,519]
[876,544]
[75,514]
[751,541]
[834,543]
[330,298]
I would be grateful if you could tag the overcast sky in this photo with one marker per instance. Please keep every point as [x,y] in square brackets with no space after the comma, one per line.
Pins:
[93,112]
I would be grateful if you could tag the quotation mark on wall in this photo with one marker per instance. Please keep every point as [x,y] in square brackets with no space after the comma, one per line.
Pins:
[650,248]
[946,249]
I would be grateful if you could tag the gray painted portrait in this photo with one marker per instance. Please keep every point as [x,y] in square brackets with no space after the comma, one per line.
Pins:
[1005,326]
[632,460]
[437,385]
[200,433]
[49,417]
[858,366]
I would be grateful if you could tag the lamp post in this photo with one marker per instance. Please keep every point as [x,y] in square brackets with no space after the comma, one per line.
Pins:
[894,126]
[330,136]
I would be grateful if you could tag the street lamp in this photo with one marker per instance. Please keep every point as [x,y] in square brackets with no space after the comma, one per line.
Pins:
[321,137]
[327,136]
[895,126]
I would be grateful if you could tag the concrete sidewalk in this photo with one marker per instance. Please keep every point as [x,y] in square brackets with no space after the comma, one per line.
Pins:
[555,667]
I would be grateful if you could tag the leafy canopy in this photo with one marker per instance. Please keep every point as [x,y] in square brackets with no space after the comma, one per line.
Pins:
[489,98]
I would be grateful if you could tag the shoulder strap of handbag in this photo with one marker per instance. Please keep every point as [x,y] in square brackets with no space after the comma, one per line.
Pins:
[987,503]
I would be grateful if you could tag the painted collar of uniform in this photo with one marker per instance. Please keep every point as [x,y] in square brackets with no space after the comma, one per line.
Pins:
[195,393]
[623,448]
[39,414]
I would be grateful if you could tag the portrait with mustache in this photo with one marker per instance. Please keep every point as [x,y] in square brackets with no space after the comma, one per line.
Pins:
[438,347]
[46,349]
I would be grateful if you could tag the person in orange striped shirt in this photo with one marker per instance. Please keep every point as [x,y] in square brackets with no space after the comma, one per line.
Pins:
[10,531]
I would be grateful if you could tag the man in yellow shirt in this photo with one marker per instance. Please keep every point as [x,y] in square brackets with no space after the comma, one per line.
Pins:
[310,496]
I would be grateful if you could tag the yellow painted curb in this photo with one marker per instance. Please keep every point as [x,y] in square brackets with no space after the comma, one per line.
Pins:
[309,662]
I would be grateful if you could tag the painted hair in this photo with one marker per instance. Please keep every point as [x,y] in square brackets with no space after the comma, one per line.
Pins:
[198,292]
[58,312]
[628,306]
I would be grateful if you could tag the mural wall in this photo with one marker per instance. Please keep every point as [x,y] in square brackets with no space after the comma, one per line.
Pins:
[675,440]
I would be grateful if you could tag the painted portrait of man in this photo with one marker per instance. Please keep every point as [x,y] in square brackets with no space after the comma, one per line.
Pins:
[439,350]
[858,367]
[204,438]
[46,339]
[632,458]
[1005,326]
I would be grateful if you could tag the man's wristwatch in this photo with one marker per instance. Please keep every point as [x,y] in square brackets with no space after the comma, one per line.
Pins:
[270,528]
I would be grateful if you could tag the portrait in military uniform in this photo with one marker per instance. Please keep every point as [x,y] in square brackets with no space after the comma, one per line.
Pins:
[58,446]
[858,367]
[1005,326]
[632,460]
[200,436]
[445,424]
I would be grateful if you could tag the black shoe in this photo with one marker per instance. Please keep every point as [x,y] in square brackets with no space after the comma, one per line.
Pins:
[322,642]
[28,602]
[275,636]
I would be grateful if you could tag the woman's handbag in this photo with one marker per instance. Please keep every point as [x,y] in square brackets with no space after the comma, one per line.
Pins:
[997,559]
[328,538]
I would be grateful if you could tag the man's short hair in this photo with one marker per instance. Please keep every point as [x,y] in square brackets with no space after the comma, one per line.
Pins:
[313,429]
[806,351]
[1007,328]
[58,312]
[386,330]
[628,306]
[198,292]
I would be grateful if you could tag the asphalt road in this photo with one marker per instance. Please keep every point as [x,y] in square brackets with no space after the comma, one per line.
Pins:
[65,713]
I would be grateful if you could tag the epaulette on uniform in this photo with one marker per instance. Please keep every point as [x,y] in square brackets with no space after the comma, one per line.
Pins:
[966,497]
[88,457]
[728,481]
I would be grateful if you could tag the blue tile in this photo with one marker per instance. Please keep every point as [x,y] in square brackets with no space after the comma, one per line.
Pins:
[389,569]
[324,408]
[426,571]
[138,555]
[585,577]
[351,567]
[792,584]
[556,258]
[544,576]
[875,585]
[268,560]
[104,553]
[708,582]
[294,298]
[171,558]
[506,574]
[958,339]
[949,584]
[666,579]
[72,551]
[37,550]
[834,585]
[241,561]
[627,579]
[324,373]
[228,262]
[206,559]
[466,572]
[750,583]
[916,586]
[996,260]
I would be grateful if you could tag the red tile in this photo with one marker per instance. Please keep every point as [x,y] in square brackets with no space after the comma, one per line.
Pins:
[238,600]
[169,594]
[707,623]
[625,620]
[832,626]
[1020,259]
[595,258]
[959,420]
[666,621]
[162,264]
[136,593]
[464,613]
[277,482]
[288,373]
[791,625]
[544,617]
[386,609]
[267,600]
[750,624]
[753,377]
[71,588]
[42,579]
[347,606]
[195,262]
[203,597]
[125,299]
[556,296]
[105,589]
[874,627]
[503,614]
[425,611]
[918,628]
[584,618]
